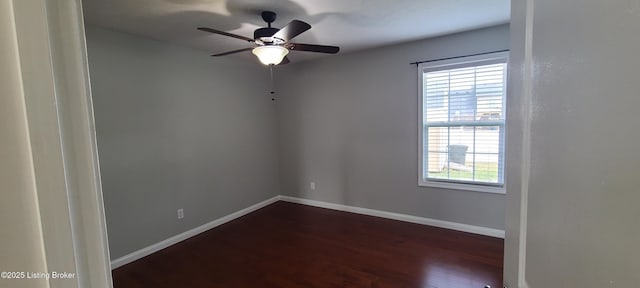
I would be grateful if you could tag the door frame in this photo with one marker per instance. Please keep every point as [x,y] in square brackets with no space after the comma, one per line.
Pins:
[55,81]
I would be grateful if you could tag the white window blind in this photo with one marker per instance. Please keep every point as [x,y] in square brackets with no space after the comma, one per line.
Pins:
[463,121]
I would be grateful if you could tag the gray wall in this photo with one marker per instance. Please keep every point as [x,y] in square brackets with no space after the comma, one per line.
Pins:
[582,205]
[177,129]
[349,123]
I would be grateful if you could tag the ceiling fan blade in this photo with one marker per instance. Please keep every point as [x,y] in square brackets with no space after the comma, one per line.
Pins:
[293,29]
[232,52]
[214,31]
[285,60]
[313,48]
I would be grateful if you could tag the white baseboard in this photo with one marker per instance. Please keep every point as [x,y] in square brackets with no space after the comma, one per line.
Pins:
[365,211]
[401,217]
[126,259]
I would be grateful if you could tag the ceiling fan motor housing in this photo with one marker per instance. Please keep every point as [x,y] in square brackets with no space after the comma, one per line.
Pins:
[263,36]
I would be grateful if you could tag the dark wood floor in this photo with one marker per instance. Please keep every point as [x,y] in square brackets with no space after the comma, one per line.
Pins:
[292,245]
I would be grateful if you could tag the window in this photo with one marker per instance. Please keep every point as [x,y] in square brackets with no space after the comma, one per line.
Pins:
[462,123]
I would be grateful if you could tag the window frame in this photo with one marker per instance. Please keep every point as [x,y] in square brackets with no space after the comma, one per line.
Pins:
[448,64]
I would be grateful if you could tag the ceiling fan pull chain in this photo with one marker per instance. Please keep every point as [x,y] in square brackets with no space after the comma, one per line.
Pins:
[273,84]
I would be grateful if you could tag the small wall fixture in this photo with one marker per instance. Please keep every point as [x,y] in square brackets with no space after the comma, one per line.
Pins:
[270,55]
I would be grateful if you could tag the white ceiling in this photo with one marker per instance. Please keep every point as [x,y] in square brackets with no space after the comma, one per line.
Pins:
[351,24]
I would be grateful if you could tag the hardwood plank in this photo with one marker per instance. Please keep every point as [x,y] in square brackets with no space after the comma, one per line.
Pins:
[293,245]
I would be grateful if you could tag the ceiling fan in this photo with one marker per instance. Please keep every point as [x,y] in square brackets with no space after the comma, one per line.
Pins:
[271,45]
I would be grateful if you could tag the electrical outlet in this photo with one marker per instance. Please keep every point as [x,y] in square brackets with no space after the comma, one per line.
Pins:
[180,213]
[312,185]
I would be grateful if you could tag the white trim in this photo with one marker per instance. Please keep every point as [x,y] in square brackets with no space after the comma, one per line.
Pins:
[401,217]
[77,127]
[126,259]
[463,186]
[527,96]
[55,80]
[41,103]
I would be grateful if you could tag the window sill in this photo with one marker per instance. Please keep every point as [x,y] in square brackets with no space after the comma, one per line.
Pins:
[463,186]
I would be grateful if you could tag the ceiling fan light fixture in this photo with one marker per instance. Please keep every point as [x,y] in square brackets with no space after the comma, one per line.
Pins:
[270,55]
